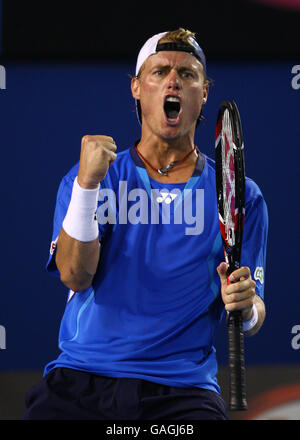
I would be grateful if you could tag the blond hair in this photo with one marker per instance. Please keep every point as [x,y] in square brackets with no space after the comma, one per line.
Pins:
[177,36]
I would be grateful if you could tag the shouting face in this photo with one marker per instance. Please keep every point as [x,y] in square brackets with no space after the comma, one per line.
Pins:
[171,89]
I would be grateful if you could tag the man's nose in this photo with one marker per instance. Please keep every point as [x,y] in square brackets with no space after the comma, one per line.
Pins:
[173,80]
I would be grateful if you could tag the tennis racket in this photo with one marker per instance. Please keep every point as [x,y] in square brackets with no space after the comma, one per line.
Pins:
[230,186]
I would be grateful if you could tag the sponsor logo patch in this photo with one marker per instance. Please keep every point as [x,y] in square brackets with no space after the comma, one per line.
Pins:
[166,197]
[53,247]
[259,274]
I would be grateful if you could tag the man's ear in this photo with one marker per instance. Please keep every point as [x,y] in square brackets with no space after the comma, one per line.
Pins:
[135,87]
[205,92]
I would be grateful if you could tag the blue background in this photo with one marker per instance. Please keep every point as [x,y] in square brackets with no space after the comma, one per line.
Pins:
[44,112]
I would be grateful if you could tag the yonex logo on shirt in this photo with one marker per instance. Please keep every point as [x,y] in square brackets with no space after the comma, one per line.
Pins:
[166,197]
[161,207]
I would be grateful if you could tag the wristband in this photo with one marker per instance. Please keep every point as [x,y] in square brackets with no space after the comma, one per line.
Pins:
[80,221]
[248,325]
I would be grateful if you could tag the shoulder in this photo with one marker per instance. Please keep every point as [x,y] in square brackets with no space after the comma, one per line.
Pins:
[69,177]
[210,163]
[122,161]
[253,191]
[66,185]
[121,169]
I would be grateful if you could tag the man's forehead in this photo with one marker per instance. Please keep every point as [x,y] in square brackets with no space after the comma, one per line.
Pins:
[173,58]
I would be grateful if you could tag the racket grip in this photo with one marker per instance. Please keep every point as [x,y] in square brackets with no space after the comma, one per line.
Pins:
[237,372]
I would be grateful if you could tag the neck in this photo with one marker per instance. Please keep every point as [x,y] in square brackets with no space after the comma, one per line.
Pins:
[159,155]
[160,152]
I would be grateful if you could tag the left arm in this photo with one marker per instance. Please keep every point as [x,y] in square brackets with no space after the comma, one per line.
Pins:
[240,295]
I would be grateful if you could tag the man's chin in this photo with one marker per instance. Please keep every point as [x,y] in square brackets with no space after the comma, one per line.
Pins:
[176,131]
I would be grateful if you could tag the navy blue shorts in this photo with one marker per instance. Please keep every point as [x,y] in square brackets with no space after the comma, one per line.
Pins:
[66,394]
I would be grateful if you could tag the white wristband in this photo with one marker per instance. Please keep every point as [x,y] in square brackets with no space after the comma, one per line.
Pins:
[80,221]
[248,325]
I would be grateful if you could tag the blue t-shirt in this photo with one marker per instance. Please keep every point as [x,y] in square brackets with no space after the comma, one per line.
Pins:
[154,305]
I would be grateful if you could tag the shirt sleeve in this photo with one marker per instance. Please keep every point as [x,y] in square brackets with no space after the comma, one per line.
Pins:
[62,202]
[255,238]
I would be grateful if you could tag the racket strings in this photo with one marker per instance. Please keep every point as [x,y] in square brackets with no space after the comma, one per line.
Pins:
[229,178]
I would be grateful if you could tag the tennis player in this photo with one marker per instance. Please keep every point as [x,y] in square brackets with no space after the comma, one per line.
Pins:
[136,240]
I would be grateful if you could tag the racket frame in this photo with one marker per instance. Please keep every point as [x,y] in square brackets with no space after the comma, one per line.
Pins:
[232,236]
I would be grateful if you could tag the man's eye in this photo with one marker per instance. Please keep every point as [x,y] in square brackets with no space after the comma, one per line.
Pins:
[158,72]
[187,74]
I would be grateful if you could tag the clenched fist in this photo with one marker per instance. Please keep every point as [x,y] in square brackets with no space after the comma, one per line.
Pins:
[97,154]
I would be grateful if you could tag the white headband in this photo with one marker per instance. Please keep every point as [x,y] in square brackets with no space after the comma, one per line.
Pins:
[150,48]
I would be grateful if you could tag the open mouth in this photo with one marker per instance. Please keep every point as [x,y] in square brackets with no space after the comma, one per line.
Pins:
[172,108]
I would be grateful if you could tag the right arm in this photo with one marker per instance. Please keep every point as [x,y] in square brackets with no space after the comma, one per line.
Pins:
[77,261]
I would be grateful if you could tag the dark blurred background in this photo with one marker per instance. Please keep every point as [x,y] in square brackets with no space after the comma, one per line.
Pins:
[228,30]
[65,73]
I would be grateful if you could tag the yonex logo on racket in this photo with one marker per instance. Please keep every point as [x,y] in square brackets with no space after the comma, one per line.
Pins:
[2,77]
[2,338]
[296,79]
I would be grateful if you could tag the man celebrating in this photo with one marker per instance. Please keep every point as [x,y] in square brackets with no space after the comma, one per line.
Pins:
[147,290]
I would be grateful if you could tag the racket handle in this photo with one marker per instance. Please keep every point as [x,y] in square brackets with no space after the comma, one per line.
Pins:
[237,373]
